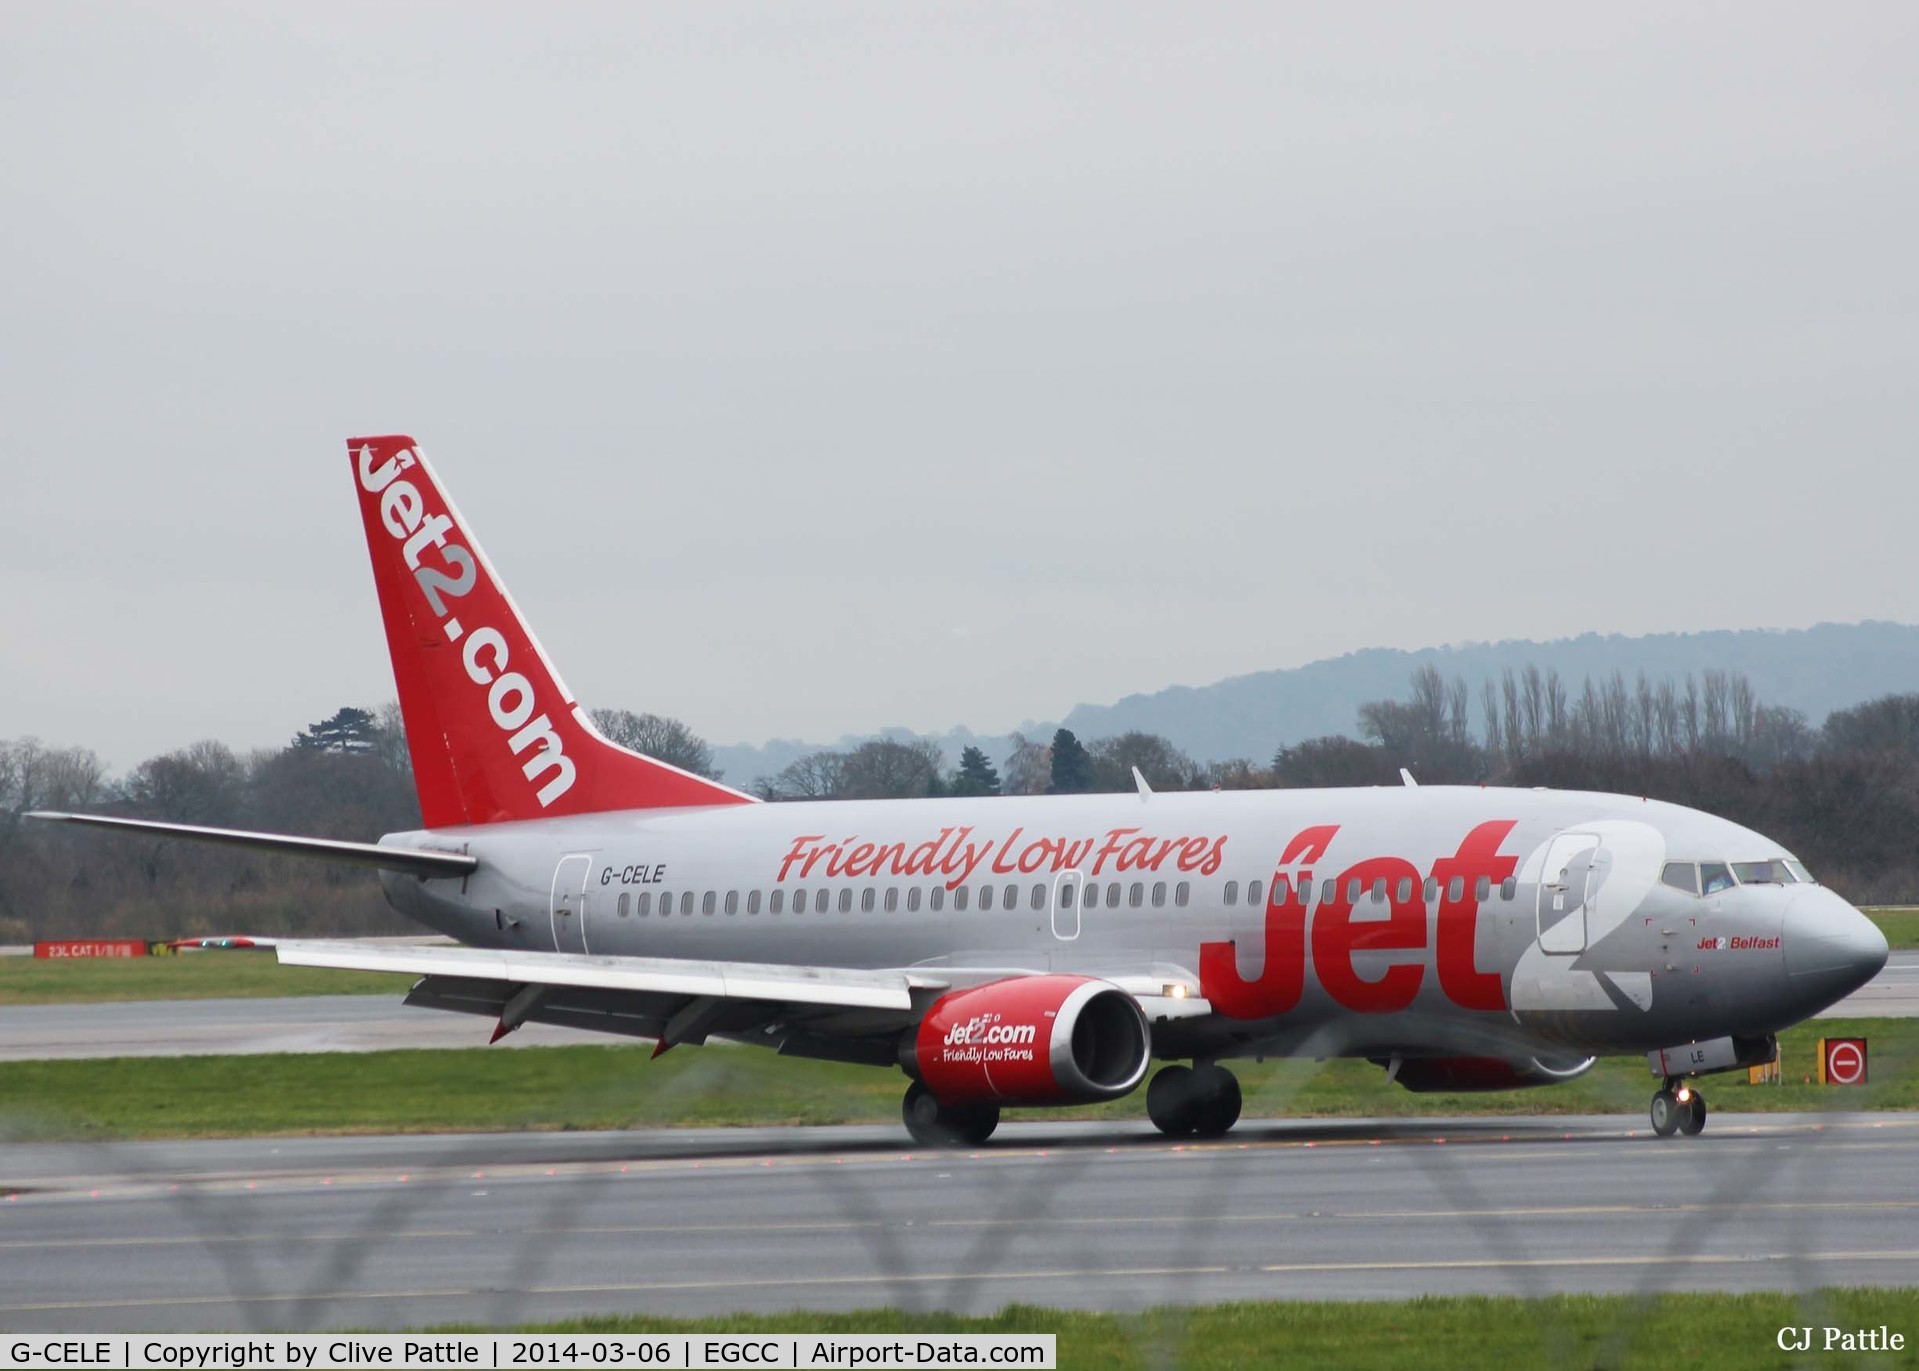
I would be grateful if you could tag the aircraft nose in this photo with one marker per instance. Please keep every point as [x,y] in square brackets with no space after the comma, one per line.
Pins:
[1831,949]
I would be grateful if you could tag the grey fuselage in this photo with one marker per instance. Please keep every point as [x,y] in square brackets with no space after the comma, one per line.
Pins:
[1580,950]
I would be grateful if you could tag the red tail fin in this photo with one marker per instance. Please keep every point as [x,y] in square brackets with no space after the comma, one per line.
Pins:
[495,734]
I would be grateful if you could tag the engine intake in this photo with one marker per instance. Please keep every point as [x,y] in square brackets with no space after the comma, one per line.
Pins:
[1464,1075]
[1034,1040]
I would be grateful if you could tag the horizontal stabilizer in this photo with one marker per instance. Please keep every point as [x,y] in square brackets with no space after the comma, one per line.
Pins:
[409,859]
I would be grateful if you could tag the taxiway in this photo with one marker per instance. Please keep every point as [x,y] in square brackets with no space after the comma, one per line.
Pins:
[500,1229]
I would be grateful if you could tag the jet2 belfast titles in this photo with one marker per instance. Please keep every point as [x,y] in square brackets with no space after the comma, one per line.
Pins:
[1044,950]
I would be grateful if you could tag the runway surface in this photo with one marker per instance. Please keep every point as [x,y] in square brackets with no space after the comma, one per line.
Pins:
[297,1023]
[1892,994]
[367,1023]
[405,1232]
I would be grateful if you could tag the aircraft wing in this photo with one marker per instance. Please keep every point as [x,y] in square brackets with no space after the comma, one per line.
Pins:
[838,1013]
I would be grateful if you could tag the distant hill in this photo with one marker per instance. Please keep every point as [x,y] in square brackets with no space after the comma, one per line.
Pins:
[1815,670]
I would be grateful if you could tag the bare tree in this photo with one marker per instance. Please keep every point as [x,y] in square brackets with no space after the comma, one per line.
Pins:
[389,739]
[816,776]
[659,737]
[1164,766]
[1029,767]
[887,770]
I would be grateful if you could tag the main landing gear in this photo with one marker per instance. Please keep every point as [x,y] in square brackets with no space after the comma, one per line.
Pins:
[1202,1099]
[933,1124]
[1678,1108]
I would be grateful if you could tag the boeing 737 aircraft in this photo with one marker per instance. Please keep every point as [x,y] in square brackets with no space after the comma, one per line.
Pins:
[1038,951]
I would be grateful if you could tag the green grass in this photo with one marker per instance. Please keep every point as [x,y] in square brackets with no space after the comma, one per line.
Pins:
[1900,925]
[618,1087]
[1672,1332]
[188,976]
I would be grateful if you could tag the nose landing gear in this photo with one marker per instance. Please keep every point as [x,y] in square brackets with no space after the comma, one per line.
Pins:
[1678,1108]
[1202,1100]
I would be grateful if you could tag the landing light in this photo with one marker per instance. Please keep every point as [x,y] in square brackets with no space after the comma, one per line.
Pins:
[1176,992]
[1684,1095]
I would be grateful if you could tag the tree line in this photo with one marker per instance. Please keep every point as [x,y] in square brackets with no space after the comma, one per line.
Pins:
[1843,794]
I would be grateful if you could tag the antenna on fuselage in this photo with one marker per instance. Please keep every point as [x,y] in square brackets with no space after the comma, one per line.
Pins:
[1407,777]
[1145,791]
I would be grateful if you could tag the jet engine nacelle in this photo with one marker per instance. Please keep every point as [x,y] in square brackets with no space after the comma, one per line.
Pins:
[1034,1040]
[1463,1075]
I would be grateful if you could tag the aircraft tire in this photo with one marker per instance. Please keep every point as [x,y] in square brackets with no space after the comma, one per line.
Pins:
[1219,1100]
[1172,1103]
[1693,1117]
[933,1124]
[1666,1112]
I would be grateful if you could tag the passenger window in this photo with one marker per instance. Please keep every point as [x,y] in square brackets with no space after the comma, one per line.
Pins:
[1456,889]
[912,899]
[1065,895]
[1091,900]
[1352,891]
[1039,897]
[1012,898]
[1328,890]
[774,901]
[1508,888]
[752,903]
[686,904]
[1232,893]
[866,900]
[1379,890]
[846,899]
[986,897]
[892,899]
[1482,888]
[1136,894]
[1180,894]
[1405,889]
[1253,890]
[666,903]
[1159,894]
[959,898]
[623,904]
[1713,877]
[799,902]
[732,902]
[1282,890]
[1681,876]
[1432,889]
[645,903]
[936,898]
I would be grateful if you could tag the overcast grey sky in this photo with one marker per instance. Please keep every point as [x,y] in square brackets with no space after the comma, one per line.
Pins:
[814,368]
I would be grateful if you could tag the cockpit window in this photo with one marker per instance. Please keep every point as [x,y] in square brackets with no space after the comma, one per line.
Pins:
[1682,876]
[1773,872]
[1799,869]
[1714,877]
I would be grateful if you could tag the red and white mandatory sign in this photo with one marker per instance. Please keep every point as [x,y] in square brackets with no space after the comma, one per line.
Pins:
[1842,1061]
